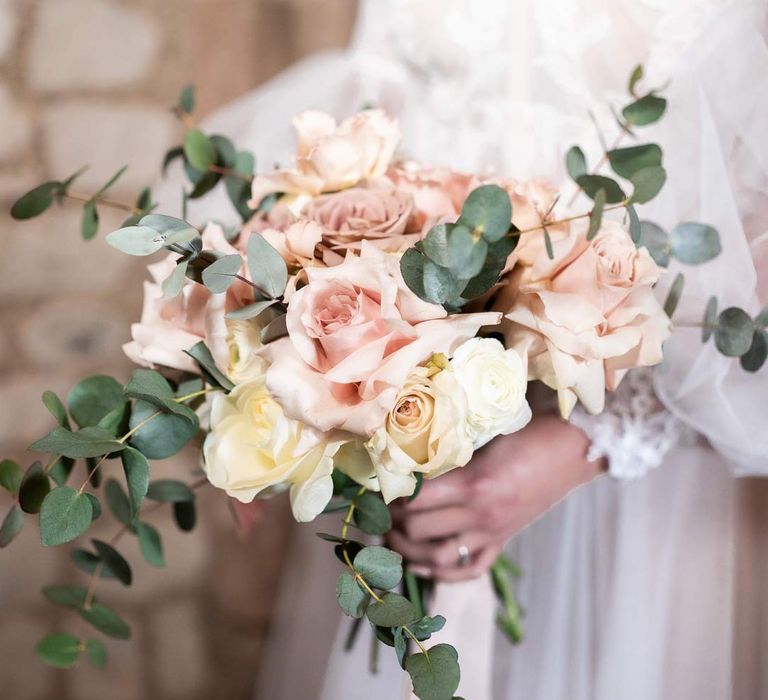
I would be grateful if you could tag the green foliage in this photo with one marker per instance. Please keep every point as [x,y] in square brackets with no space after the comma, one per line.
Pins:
[12,524]
[174,283]
[106,620]
[274,330]
[185,515]
[595,218]
[88,562]
[509,619]
[33,489]
[267,267]
[694,243]
[93,398]
[435,675]
[199,150]
[352,598]
[151,545]
[647,183]
[251,311]
[755,357]
[11,476]
[90,222]
[647,110]
[152,233]
[379,566]
[202,356]
[114,561]
[64,515]
[59,650]
[394,610]
[170,491]
[73,597]
[95,505]
[161,435]
[136,469]
[635,77]
[575,162]
[36,201]
[635,230]
[92,441]
[709,322]
[220,276]
[150,386]
[117,502]
[592,184]
[627,161]
[487,212]
[56,408]
[675,292]
[371,514]
[734,332]
[97,653]
[424,628]
[186,102]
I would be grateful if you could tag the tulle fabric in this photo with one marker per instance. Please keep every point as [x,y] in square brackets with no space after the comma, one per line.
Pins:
[648,590]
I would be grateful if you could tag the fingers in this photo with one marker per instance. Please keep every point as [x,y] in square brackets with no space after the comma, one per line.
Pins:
[436,524]
[447,490]
[479,565]
[444,554]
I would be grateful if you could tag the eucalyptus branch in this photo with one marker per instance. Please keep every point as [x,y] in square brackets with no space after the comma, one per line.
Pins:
[230,172]
[603,159]
[81,197]
[576,217]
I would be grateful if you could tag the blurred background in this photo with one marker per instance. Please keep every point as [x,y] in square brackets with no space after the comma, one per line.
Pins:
[90,81]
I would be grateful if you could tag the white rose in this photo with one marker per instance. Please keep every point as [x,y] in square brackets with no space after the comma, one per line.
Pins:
[495,381]
[253,448]
[426,431]
[243,341]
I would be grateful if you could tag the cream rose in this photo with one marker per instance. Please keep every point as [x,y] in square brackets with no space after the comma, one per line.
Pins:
[333,156]
[495,381]
[425,431]
[355,332]
[244,342]
[254,448]
[587,316]
[375,214]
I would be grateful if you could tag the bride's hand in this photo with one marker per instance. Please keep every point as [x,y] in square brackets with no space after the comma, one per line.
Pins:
[507,485]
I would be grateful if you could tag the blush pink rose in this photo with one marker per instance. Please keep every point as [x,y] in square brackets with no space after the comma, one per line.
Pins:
[355,332]
[332,156]
[376,214]
[587,316]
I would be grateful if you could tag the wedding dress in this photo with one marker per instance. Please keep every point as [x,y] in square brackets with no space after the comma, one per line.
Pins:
[653,588]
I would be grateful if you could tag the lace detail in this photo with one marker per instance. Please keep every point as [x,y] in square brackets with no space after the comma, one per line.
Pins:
[635,431]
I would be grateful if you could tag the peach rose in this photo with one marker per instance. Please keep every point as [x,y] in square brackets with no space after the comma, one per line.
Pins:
[333,156]
[170,326]
[375,214]
[355,332]
[587,316]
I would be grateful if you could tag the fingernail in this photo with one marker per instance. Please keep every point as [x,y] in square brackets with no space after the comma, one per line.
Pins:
[422,571]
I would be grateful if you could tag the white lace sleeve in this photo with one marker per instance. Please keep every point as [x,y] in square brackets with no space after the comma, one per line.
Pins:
[635,431]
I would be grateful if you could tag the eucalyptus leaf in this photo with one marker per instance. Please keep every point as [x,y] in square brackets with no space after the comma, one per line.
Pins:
[734,332]
[709,323]
[64,515]
[35,202]
[95,505]
[274,330]
[494,263]
[56,408]
[412,270]
[174,283]
[575,162]
[93,398]
[186,101]
[488,211]
[393,611]
[34,488]
[267,267]
[647,183]
[11,526]
[592,184]
[466,253]
[755,357]
[596,217]
[548,243]
[135,240]
[251,311]
[352,598]
[635,230]
[694,243]
[151,545]
[635,77]
[202,355]
[220,276]
[761,320]
[435,244]
[150,386]
[11,475]
[435,675]
[136,468]
[88,442]
[97,653]
[675,292]
[169,491]
[170,229]
[379,566]
[59,650]
[401,646]
[114,561]
[440,285]
[66,596]
[656,240]
[185,515]
[371,514]
[646,110]
[199,150]
[90,221]
[163,435]
[424,628]
[107,621]
[627,161]
[88,563]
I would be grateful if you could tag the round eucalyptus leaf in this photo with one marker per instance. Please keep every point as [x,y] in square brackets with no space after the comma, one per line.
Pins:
[107,621]
[185,515]
[56,408]
[267,267]
[656,240]
[11,526]
[66,596]
[95,506]
[693,243]
[734,332]
[435,675]
[592,184]
[35,202]
[64,515]
[114,561]
[170,491]
[186,101]
[11,476]
[219,276]
[371,514]
[173,284]
[59,650]
[488,211]
[199,150]
[151,545]
[135,240]
[427,626]
[627,161]
[97,653]
[435,244]
[440,285]
[466,253]
[761,320]
[379,566]
[93,398]
[393,611]
[709,322]
[646,110]
[352,598]
[87,562]
[90,221]
[755,357]
[136,468]
[412,270]
[647,183]
[162,436]
[245,313]
[575,162]
[33,489]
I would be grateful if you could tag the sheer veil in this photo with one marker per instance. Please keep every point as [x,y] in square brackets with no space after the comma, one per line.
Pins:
[630,589]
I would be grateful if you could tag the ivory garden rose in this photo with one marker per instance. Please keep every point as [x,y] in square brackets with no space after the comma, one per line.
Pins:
[587,316]
[355,333]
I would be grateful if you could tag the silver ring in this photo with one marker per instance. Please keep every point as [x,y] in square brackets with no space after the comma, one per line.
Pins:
[464,557]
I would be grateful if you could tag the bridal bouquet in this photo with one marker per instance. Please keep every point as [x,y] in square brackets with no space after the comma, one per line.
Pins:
[370,324]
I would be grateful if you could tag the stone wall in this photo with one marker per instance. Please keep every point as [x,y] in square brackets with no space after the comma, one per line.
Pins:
[89,81]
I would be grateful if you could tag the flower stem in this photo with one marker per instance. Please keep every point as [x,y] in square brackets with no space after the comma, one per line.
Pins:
[81,197]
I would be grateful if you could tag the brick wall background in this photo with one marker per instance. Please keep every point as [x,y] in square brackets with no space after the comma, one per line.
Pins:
[90,81]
